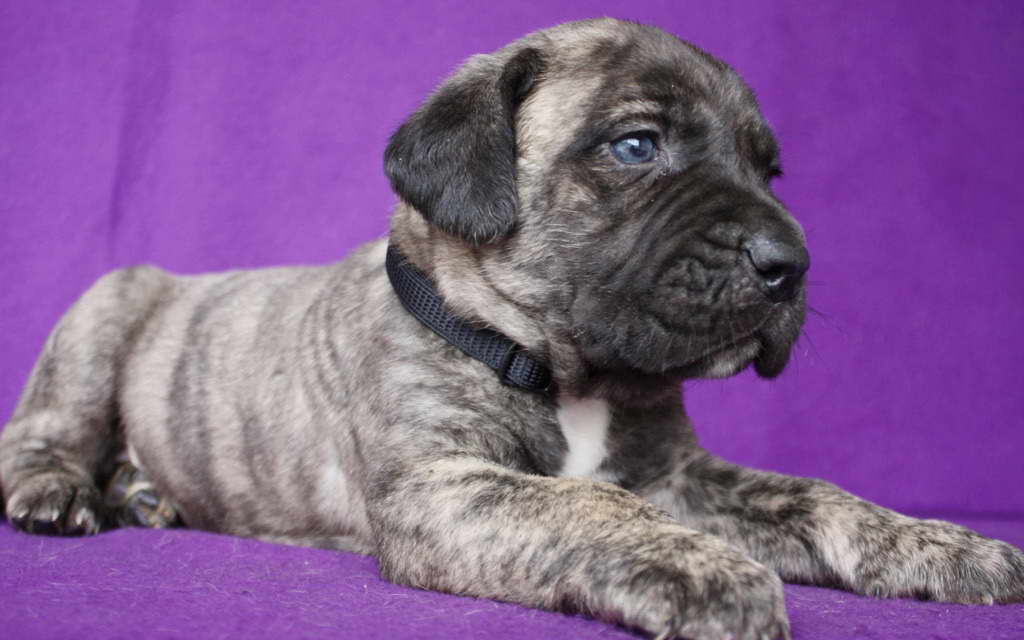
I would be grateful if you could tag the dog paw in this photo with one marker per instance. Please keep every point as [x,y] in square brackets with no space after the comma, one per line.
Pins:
[57,504]
[941,561]
[720,594]
[135,502]
[744,600]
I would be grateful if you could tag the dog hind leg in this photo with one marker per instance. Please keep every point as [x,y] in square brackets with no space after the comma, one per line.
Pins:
[64,432]
[133,501]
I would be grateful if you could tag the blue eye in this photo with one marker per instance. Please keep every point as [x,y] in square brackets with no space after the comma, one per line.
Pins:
[635,148]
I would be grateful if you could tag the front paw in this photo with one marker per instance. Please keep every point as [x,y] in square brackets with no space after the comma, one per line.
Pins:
[708,591]
[938,560]
[740,600]
[55,503]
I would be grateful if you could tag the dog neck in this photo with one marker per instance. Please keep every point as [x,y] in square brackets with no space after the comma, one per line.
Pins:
[461,276]
[472,291]
[508,359]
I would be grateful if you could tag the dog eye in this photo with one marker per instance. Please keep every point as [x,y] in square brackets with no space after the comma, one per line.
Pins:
[635,148]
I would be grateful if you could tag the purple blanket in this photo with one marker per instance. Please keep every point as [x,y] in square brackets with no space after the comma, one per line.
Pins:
[188,584]
[201,136]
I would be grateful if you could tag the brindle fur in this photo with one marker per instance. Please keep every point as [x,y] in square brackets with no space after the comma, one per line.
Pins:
[304,405]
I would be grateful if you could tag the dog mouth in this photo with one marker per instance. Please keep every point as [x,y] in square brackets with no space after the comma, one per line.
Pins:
[773,356]
[726,361]
[645,343]
[766,348]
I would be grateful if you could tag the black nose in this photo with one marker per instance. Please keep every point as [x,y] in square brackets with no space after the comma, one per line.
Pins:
[780,262]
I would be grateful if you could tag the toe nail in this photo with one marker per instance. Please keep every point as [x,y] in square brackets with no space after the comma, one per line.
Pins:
[19,514]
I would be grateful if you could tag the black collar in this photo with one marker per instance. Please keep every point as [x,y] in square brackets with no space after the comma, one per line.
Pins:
[508,359]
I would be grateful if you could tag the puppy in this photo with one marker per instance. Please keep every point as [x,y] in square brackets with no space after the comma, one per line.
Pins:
[491,405]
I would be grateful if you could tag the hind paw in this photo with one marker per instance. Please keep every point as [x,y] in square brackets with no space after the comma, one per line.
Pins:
[56,504]
[135,502]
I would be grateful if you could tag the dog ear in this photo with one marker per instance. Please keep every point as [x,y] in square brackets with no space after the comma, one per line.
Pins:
[454,159]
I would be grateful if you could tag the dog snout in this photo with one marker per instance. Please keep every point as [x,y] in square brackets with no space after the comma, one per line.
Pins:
[779,261]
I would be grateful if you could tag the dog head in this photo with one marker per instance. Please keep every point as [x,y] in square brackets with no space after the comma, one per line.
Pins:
[601,191]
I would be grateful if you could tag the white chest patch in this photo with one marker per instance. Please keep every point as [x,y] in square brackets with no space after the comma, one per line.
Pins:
[584,423]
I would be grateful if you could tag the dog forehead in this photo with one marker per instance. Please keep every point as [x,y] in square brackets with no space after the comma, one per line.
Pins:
[608,69]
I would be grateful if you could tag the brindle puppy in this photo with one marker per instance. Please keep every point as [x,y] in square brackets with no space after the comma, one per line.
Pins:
[599,193]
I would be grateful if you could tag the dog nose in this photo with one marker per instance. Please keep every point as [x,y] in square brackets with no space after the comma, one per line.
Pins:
[780,263]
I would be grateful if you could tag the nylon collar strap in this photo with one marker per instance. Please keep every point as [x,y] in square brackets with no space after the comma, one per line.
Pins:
[508,359]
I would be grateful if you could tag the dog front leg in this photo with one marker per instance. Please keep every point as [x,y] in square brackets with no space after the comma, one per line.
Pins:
[469,527]
[811,531]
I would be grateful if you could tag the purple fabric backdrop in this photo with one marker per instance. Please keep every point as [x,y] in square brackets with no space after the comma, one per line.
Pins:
[202,136]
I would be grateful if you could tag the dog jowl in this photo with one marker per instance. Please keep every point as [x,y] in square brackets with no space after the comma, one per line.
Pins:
[595,200]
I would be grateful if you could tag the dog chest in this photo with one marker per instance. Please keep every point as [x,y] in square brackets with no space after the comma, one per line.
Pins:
[584,423]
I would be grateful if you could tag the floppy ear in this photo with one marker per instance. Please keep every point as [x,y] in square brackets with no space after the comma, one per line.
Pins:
[454,159]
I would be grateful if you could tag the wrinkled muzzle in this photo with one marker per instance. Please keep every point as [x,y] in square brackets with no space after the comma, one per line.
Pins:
[702,289]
